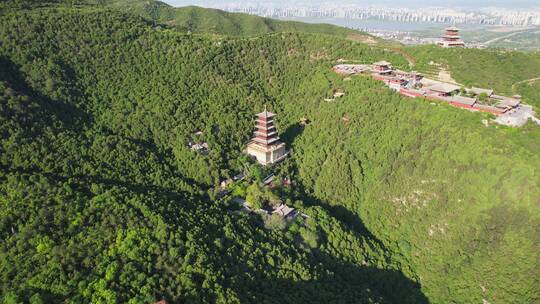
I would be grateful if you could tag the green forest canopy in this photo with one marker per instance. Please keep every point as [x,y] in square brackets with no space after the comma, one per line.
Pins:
[409,202]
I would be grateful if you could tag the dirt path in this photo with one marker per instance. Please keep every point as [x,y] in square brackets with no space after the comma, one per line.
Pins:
[445,76]
[410,59]
[528,81]
[364,38]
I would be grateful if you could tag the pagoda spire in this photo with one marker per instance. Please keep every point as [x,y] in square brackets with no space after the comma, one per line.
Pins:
[265,144]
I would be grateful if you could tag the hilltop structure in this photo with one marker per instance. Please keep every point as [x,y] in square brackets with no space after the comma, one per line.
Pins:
[509,110]
[265,145]
[382,68]
[451,38]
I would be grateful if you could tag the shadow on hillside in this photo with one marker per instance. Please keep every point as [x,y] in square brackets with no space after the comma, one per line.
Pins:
[69,114]
[166,202]
[291,133]
[328,280]
[333,281]
[351,220]
[108,182]
[344,283]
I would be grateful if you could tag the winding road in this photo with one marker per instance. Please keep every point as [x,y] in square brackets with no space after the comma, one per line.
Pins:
[505,36]
[524,81]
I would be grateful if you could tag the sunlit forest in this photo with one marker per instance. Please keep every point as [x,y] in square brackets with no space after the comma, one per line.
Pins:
[103,201]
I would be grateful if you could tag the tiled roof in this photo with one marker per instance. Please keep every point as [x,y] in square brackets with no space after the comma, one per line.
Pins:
[382,63]
[443,87]
[463,100]
[479,91]
[266,114]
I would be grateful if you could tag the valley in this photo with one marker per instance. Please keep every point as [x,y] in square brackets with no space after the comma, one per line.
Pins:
[118,126]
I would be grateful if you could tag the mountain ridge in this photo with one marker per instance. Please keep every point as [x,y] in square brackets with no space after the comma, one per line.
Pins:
[99,187]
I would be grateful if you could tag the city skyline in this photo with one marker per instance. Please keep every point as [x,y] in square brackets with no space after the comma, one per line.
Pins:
[392,3]
[337,13]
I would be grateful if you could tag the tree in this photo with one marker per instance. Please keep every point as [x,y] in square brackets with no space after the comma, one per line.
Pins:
[274,222]
[272,198]
[36,299]
[256,173]
[153,10]
[310,237]
[102,200]
[11,298]
[483,96]
[254,196]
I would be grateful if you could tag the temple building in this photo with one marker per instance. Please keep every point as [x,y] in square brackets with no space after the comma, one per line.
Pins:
[442,89]
[382,68]
[265,145]
[451,38]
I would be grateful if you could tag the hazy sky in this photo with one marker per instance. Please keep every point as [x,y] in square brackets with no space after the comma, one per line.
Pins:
[394,3]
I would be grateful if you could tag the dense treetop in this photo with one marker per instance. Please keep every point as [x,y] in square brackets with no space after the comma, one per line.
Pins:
[101,199]
[195,19]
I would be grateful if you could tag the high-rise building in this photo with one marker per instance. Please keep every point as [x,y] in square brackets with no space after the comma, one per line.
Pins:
[265,145]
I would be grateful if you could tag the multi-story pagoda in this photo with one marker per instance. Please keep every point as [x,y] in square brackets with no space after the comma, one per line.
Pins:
[265,145]
[451,38]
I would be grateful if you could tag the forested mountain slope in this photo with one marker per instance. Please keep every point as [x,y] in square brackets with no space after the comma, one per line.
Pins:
[452,199]
[195,19]
[100,190]
[102,200]
[203,20]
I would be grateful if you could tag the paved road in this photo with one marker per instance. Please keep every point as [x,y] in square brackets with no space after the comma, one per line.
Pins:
[504,37]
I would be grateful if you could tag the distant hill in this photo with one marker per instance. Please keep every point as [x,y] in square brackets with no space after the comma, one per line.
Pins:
[103,201]
[205,20]
[201,20]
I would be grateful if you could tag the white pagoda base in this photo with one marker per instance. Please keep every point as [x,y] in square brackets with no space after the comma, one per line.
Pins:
[450,44]
[267,154]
